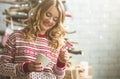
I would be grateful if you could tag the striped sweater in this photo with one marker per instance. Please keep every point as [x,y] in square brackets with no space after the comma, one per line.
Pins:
[17,51]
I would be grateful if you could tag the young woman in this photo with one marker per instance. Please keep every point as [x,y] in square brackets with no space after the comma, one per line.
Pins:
[43,34]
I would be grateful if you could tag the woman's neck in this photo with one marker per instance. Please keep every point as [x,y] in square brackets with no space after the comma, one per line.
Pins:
[42,33]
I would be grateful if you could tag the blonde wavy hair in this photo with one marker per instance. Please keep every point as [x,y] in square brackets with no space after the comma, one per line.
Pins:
[56,34]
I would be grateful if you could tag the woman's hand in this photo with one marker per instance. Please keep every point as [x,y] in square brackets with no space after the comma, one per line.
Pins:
[64,56]
[35,66]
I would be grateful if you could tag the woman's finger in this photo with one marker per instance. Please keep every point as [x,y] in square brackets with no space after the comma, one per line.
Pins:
[35,66]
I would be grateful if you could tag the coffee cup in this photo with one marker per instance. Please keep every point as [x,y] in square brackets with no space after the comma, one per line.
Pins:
[43,59]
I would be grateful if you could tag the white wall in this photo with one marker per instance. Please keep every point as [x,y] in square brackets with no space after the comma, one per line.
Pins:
[97,23]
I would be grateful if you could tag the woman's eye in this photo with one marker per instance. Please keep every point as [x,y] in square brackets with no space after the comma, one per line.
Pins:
[48,14]
[55,19]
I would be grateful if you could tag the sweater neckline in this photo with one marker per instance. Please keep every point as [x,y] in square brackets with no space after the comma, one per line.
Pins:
[42,35]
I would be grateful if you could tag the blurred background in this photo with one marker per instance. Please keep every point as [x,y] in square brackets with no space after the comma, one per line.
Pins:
[97,32]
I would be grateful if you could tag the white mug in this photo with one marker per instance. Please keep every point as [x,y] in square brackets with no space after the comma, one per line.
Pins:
[43,59]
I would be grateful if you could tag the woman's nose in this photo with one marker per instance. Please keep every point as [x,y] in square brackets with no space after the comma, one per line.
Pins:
[50,20]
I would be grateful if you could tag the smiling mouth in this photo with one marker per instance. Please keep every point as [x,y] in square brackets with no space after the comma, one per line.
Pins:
[47,24]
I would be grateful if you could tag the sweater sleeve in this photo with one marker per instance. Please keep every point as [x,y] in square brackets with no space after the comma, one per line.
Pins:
[7,67]
[59,69]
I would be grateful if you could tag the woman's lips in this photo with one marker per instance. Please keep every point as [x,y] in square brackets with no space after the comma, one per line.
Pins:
[47,24]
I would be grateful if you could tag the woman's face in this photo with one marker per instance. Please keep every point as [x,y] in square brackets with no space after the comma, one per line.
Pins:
[50,18]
